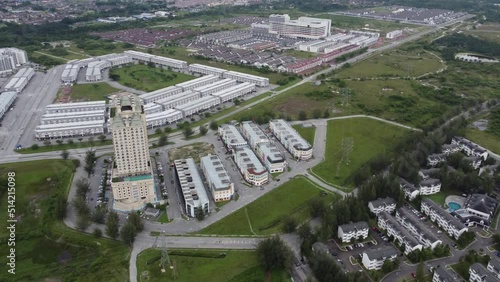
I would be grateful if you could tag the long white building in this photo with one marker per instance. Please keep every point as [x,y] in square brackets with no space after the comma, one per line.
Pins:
[94,70]
[231,137]
[193,191]
[11,58]
[416,228]
[159,94]
[199,105]
[271,157]
[152,108]
[178,99]
[374,259]
[291,139]
[6,100]
[357,230]
[157,60]
[443,218]
[253,134]
[70,73]
[73,117]
[197,68]
[215,87]
[303,27]
[163,118]
[250,166]
[234,92]
[401,235]
[76,107]
[195,83]
[219,182]
[20,80]
[71,129]
[244,77]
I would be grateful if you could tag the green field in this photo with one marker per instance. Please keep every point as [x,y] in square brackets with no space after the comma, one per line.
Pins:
[91,92]
[368,139]
[397,63]
[47,250]
[143,77]
[486,139]
[306,132]
[193,265]
[265,214]
[347,22]
[163,218]
[65,146]
[439,198]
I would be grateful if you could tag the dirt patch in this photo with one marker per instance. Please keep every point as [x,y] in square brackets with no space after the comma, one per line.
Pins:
[294,105]
[194,151]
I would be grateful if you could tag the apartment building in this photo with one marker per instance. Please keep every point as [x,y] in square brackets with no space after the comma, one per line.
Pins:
[178,99]
[231,137]
[429,186]
[303,27]
[163,118]
[159,94]
[219,182]
[373,259]
[469,148]
[401,235]
[478,209]
[494,267]
[152,108]
[11,58]
[249,166]
[215,87]
[193,191]
[435,159]
[70,129]
[76,107]
[348,232]
[428,173]
[417,229]
[70,73]
[234,92]
[449,149]
[132,178]
[271,157]
[157,60]
[411,192]
[474,161]
[244,77]
[6,100]
[479,273]
[443,218]
[253,134]
[20,80]
[298,147]
[72,117]
[207,70]
[441,275]
[386,204]
[198,105]
[197,82]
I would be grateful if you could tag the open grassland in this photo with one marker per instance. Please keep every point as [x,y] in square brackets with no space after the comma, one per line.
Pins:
[266,213]
[47,250]
[363,139]
[347,22]
[64,146]
[397,63]
[306,132]
[484,138]
[439,198]
[204,265]
[91,92]
[147,78]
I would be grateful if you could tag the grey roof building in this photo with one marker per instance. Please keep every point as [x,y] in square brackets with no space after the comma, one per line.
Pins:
[441,275]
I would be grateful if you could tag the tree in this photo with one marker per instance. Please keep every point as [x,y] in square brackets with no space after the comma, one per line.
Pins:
[64,154]
[203,130]
[187,131]
[326,114]
[163,140]
[91,139]
[136,221]
[128,233]
[274,253]
[317,207]
[46,143]
[97,232]
[112,225]
[496,241]
[99,214]
[302,115]
[325,268]
[34,147]
[101,137]
[59,205]
[317,113]
[90,159]
[80,206]
[158,131]
[420,274]
[82,222]
[304,231]
[289,224]
[82,187]
[70,141]
[200,213]
[213,125]
[59,141]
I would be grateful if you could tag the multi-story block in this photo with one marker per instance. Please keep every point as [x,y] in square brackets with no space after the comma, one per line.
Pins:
[478,273]
[217,86]
[350,231]
[474,161]
[303,27]
[178,99]
[20,80]
[132,178]
[6,100]
[494,267]
[420,232]
[411,192]
[198,105]
[478,209]
[428,173]
[244,77]
[231,137]
[159,94]
[249,165]
[429,186]
[441,275]
[374,259]
[271,157]
[234,92]
[401,235]
[443,218]
[434,159]
[193,191]
[70,73]
[291,139]
[76,107]
[197,68]
[469,148]
[219,182]
[449,149]
[379,205]
[157,60]
[253,134]
[197,82]
[163,118]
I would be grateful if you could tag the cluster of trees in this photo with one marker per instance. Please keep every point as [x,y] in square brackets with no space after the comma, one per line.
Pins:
[84,214]
[319,95]
[325,268]
[457,42]
[273,253]
[494,122]
[347,56]
[90,159]
[427,253]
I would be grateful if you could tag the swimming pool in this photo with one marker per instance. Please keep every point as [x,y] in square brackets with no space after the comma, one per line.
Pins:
[454,206]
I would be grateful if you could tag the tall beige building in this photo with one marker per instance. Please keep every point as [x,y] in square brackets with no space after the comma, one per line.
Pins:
[132,178]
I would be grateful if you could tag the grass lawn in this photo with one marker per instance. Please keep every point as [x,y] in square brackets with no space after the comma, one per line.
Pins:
[64,146]
[47,249]
[91,92]
[306,132]
[369,138]
[163,218]
[265,214]
[347,22]
[397,63]
[190,265]
[486,139]
[300,54]
[195,151]
[144,78]
[440,197]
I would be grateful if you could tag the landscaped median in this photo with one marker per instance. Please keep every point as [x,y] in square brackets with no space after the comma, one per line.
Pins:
[265,215]
[204,265]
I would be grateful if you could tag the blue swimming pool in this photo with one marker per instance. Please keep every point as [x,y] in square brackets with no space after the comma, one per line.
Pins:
[454,206]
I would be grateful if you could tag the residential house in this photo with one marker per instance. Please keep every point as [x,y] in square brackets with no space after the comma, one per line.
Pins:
[386,204]
[443,218]
[357,230]
[434,159]
[409,189]
[479,273]
[429,186]
[374,259]
[494,266]
[478,209]
[449,149]
[401,235]
[470,148]
[417,229]
[441,275]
